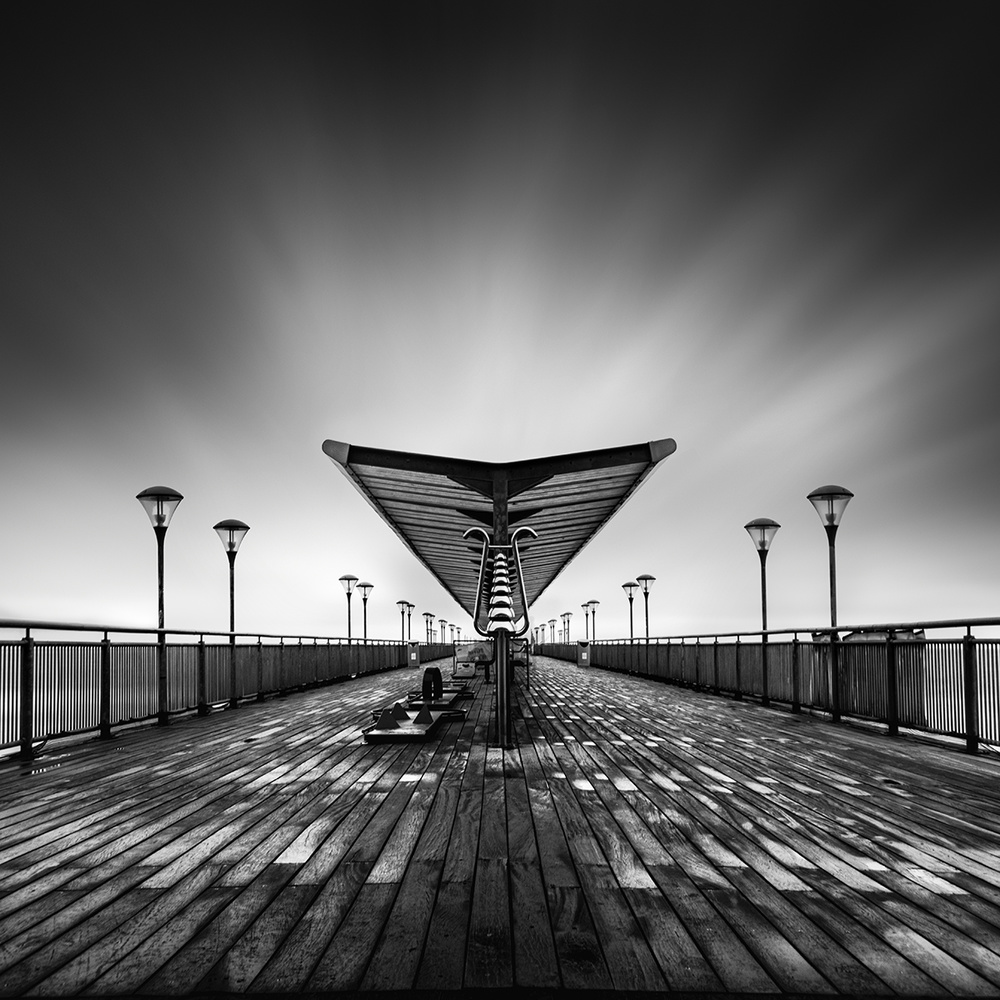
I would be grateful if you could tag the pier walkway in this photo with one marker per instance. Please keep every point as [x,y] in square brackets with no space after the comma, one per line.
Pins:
[637,837]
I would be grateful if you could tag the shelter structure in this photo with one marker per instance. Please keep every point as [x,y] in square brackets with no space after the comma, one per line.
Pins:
[495,535]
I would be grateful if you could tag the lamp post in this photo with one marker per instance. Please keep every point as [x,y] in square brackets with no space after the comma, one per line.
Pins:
[428,618]
[366,589]
[232,533]
[592,604]
[645,581]
[630,588]
[409,620]
[349,582]
[830,502]
[762,531]
[552,630]
[160,502]
[586,621]
[402,605]
[569,616]
[441,626]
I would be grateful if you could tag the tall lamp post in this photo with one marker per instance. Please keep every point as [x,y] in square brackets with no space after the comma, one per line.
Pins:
[409,620]
[402,605]
[630,588]
[349,581]
[586,621]
[762,531]
[645,581]
[552,630]
[592,604]
[160,502]
[428,619]
[441,625]
[830,502]
[569,622]
[366,589]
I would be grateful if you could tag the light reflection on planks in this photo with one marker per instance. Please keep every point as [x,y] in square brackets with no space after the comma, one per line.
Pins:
[639,837]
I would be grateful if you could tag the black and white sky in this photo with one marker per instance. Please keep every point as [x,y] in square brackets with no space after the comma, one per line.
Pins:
[499,231]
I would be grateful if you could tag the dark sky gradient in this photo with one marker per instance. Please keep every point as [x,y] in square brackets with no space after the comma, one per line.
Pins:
[767,230]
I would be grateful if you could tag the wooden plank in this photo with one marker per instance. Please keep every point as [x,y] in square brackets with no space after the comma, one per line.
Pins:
[442,965]
[489,950]
[535,963]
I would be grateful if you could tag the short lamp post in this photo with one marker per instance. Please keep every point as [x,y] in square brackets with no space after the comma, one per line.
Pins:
[630,588]
[592,604]
[762,531]
[645,582]
[830,502]
[402,605]
[160,502]
[349,582]
[365,588]
[232,533]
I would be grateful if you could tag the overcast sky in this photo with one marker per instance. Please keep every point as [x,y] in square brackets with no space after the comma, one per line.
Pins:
[497,232]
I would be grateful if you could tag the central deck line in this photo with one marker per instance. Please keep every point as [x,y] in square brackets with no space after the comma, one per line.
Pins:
[636,837]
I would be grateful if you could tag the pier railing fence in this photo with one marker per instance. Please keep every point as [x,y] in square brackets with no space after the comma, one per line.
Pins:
[104,678]
[899,675]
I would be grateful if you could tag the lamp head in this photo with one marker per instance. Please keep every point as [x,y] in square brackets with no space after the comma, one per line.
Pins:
[830,502]
[231,532]
[630,588]
[365,588]
[159,502]
[645,581]
[762,531]
[349,583]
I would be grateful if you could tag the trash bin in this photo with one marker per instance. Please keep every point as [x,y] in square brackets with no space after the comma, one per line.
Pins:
[413,654]
[582,654]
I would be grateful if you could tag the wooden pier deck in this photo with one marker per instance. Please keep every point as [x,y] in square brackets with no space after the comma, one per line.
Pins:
[640,837]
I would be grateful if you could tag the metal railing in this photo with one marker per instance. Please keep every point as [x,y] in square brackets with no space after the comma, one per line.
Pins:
[55,687]
[893,673]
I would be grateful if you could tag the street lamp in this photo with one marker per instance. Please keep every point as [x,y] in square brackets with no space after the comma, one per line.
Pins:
[428,619]
[159,502]
[630,588]
[552,629]
[645,581]
[232,533]
[568,616]
[830,502]
[366,589]
[441,626]
[409,620]
[592,604]
[349,582]
[586,620]
[402,605]
[762,531]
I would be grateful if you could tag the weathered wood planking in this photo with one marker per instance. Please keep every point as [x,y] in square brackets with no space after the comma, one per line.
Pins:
[637,837]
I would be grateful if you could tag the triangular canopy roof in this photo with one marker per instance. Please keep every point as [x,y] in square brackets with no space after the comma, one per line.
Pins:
[430,502]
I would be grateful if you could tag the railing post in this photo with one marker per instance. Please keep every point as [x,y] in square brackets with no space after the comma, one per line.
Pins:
[891,683]
[260,669]
[202,678]
[670,676]
[715,666]
[739,675]
[281,667]
[162,713]
[105,695]
[970,677]
[835,676]
[796,674]
[765,699]
[233,699]
[26,722]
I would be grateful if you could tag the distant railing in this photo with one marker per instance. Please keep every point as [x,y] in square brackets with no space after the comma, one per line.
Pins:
[51,687]
[892,673]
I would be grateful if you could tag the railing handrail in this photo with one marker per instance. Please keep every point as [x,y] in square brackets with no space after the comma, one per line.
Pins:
[28,624]
[966,623]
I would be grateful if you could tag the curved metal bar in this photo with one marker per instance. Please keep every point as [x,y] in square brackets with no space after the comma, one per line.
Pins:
[514,535]
[482,575]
